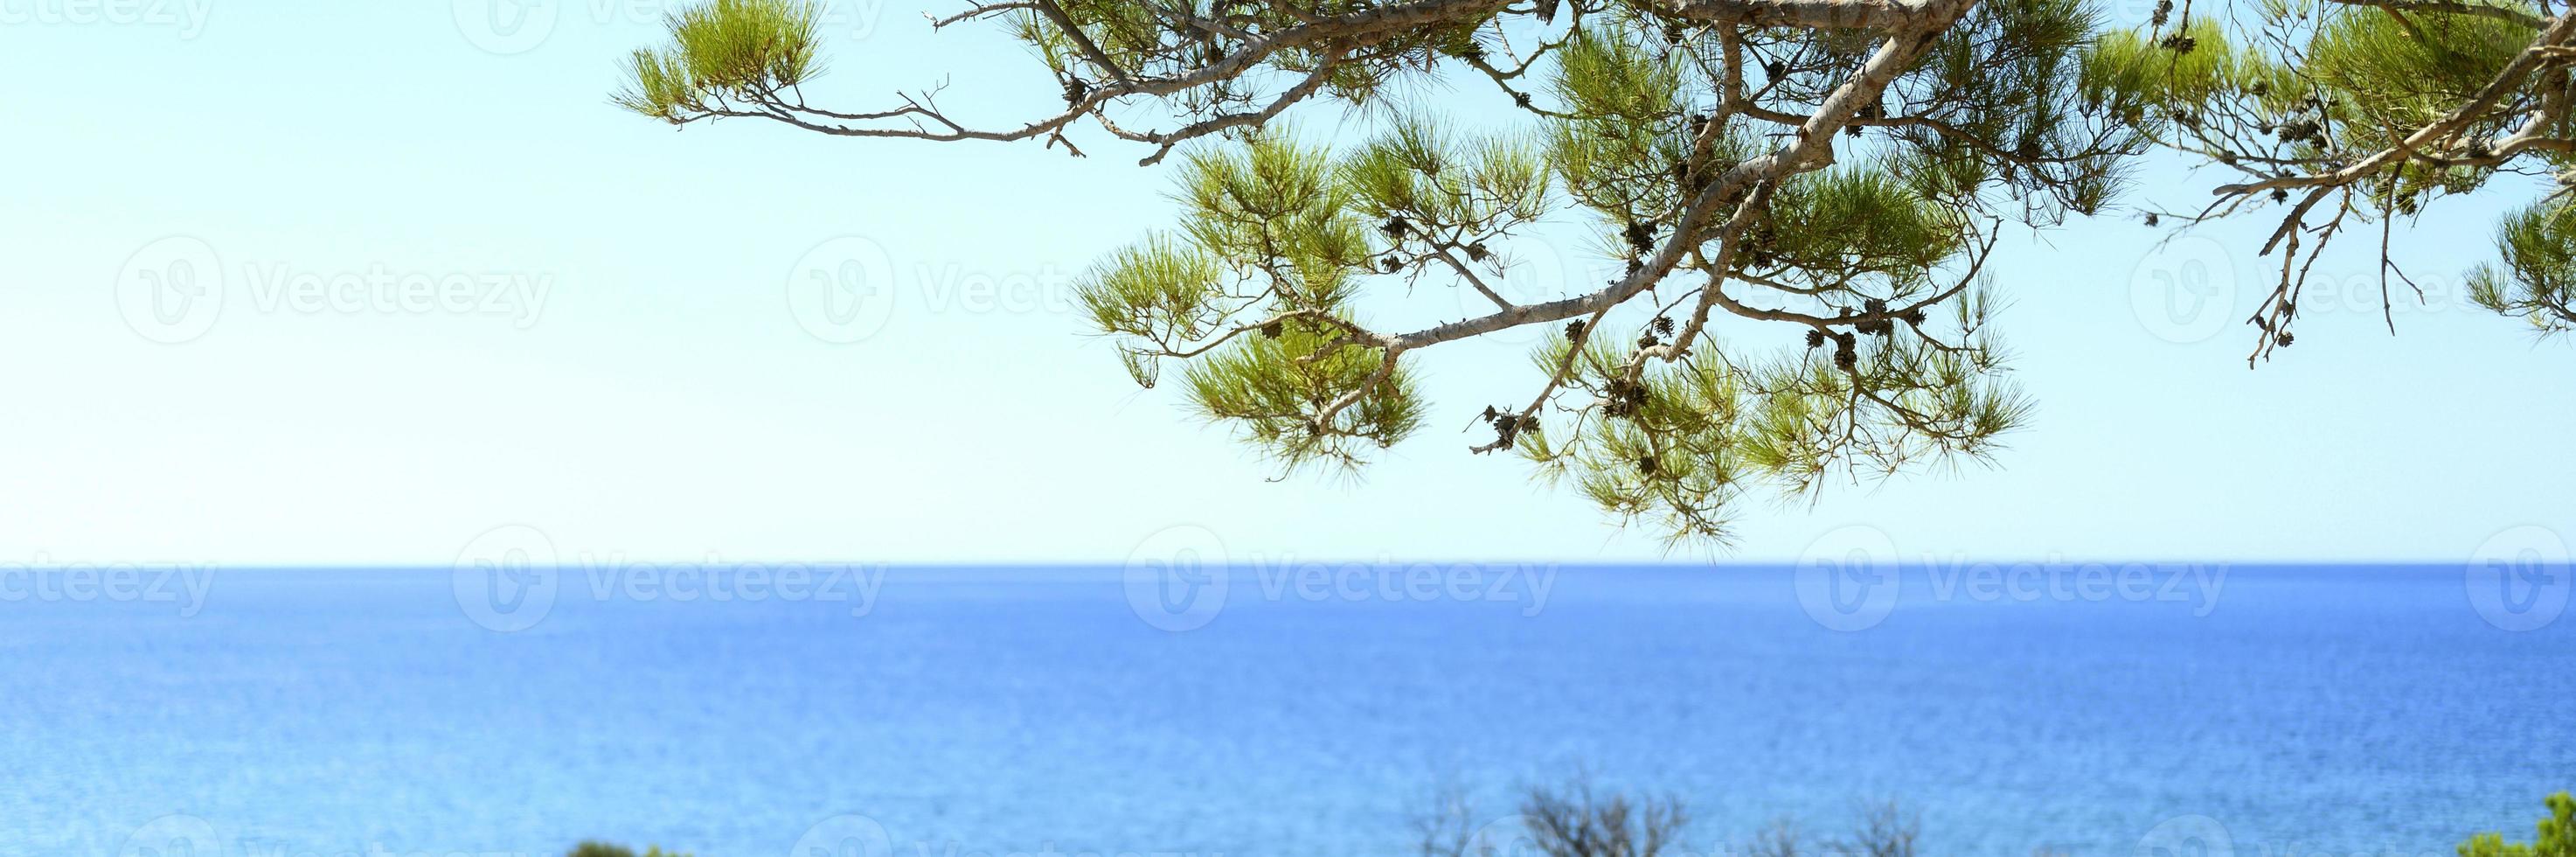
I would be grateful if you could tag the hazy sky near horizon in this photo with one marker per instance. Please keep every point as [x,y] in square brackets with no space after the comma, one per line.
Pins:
[621,350]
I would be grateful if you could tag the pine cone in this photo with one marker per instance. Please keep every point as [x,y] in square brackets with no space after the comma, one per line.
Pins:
[1642,237]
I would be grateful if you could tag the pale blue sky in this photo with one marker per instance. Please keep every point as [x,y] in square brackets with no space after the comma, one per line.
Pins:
[663,399]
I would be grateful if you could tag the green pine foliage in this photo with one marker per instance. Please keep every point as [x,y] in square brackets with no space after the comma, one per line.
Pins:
[2537,281]
[722,54]
[1275,246]
[2340,114]
[1280,392]
[2395,74]
[1789,312]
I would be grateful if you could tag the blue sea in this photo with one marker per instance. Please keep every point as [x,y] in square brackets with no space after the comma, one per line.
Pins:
[1314,711]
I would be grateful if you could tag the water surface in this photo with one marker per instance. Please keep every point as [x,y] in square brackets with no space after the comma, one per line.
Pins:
[2298,710]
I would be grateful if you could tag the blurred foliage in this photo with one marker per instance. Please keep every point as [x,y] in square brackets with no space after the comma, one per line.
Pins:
[2557,835]
[603,849]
